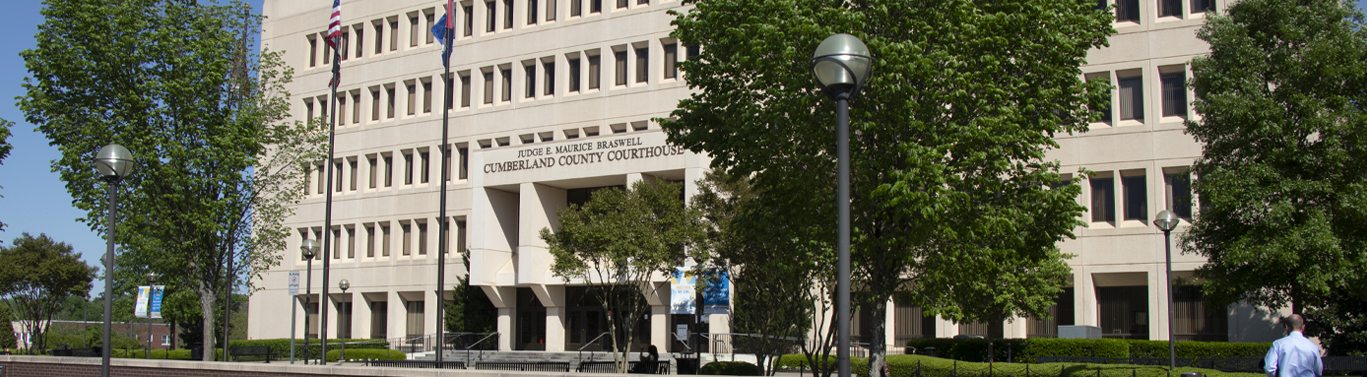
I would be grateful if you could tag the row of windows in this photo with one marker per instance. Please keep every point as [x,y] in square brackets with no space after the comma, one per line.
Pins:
[1130,11]
[417,165]
[377,239]
[1127,102]
[385,33]
[1130,188]
[536,78]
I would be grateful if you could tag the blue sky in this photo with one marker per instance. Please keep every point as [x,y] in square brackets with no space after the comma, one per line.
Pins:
[34,198]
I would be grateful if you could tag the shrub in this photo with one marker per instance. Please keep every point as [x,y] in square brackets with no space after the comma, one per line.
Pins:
[1159,348]
[281,347]
[1027,350]
[798,362]
[729,368]
[367,354]
[925,366]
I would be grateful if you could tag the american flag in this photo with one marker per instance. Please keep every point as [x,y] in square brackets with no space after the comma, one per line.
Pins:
[334,39]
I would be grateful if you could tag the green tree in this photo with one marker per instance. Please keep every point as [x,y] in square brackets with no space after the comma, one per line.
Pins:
[7,339]
[616,242]
[5,147]
[38,274]
[951,192]
[469,310]
[773,297]
[1283,200]
[179,85]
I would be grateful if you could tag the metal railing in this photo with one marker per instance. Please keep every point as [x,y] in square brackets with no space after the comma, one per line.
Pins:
[534,366]
[479,345]
[420,364]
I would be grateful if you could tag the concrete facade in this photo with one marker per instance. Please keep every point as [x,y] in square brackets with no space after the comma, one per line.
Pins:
[532,132]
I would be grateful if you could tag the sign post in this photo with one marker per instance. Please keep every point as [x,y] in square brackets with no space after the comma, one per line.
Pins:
[294,309]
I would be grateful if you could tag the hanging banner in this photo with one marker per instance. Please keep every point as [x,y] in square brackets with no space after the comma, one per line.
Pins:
[155,306]
[716,294]
[682,291]
[149,301]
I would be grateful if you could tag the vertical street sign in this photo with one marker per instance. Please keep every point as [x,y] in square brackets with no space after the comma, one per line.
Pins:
[154,307]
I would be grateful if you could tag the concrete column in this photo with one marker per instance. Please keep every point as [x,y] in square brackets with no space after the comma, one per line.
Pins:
[553,298]
[890,325]
[396,321]
[1158,303]
[1085,295]
[429,311]
[360,309]
[1019,327]
[503,298]
[946,328]
[505,329]
[537,206]
[691,177]
[632,178]
[334,298]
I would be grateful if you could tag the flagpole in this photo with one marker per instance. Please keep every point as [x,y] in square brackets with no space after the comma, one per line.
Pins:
[327,211]
[443,247]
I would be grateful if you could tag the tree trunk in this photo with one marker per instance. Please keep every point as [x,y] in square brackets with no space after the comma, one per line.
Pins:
[878,353]
[206,306]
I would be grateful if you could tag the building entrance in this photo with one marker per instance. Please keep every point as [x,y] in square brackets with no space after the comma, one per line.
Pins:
[586,323]
[531,321]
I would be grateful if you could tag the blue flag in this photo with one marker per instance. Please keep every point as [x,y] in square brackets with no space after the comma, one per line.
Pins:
[439,31]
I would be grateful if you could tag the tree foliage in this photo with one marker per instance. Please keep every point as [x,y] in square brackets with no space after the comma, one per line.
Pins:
[38,274]
[5,148]
[179,85]
[1283,199]
[951,192]
[470,310]
[617,243]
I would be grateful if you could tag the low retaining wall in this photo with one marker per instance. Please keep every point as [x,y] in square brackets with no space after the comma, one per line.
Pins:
[56,366]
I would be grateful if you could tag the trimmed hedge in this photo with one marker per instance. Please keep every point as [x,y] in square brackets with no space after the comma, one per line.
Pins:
[729,368]
[1027,350]
[798,362]
[908,365]
[281,347]
[367,354]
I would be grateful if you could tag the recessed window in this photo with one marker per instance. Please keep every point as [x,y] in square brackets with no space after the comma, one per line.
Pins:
[595,69]
[313,51]
[384,240]
[548,70]
[671,60]
[1169,8]
[469,28]
[379,37]
[345,42]
[642,64]
[464,153]
[1127,10]
[574,75]
[507,14]
[374,171]
[550,10]
[1174,94]
[531,12]
[621,4]
[354,172]
[375,104]
[360,39]
[427,97]
[1178,193]
[322,177]
[341,109]
[412,98]
[1135,195]
[351,243]
[407,239]
[389,92]
[308,110]
[425,168]
[1132,98]
[356,107]
[388,171]
[489,16]
[394,35]
[337,243]
[327,50]
[1103,199]
[488,87]
[595,6]
[576,8]
[620,58]
[337,176]
[413,31]
[430,23]
[507,84]
[370,241]
[529,75]
[1202,6]
[465,90]
[422,238]
[407,168]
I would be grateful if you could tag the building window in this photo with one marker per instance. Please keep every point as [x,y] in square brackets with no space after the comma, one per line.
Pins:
[595,6]
[548,70]
[412,98]
[308,175]
[1178,193]
[427,97]
[1123,312]
[1170,8]
[642,64]
[469,19]
[415,318]
[620,58]
[1132,98]
[360,41]
[375,104]
[1174,94]
[531,12]
[430,22]
[345,42]
[460,236]
[413,31]
[464,162]
[394,35]
[529,74]
[407,168]
[576,8]
[407,239]
[422,238]
[379,319]
[354,172]
[488,87]
[595,68]
[621,4]
[489,16]
[1127,10]
[374,171]
[550,10]
[337,243]
[1202,6]
[165,340]
[1060,314]
[313,51]
[355,107]
[370,241]
[507,84]
[308,109]
[388,171]
[1103,199]
[465,90]
[425,158]
[671,60]
[337,175]
[351,243]
[1135,195]
[446,163]
[384,240]
[507,14]
[574,75]
[379,38]
[1194,320]
[327,51]
[341,109]
[389,112]
[322,181]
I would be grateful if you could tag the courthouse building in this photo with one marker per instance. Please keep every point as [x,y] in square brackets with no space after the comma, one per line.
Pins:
[555,98]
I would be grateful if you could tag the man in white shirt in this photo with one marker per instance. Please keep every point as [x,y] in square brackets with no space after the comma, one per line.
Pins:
[1294,355]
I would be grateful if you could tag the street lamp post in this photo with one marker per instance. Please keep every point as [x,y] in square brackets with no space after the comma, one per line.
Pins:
[1166,221]
[841,64]
[151,290]
[344,284]
[114,162]
[310,249]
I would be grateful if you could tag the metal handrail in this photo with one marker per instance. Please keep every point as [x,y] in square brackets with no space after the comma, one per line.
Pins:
[476,343]
[586,345]
[682,340]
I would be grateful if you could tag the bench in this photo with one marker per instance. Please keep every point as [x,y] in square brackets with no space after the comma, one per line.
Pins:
[239,351]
